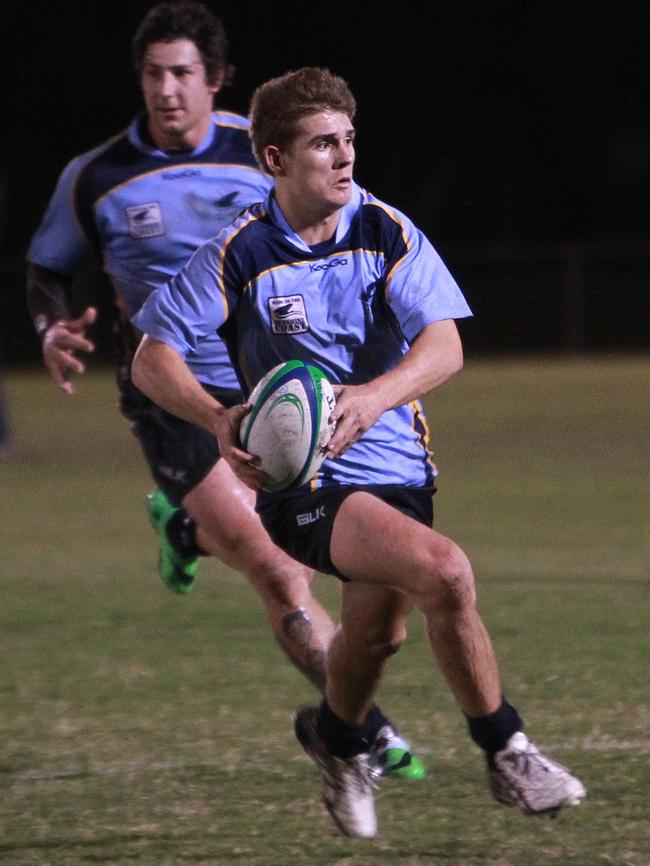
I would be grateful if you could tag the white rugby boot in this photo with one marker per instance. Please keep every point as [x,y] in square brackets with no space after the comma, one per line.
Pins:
[347,782]
[520,775]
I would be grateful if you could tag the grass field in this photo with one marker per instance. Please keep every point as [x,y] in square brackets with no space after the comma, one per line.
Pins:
[140,727]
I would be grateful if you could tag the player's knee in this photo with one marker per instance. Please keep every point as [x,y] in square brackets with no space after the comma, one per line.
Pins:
[232,550]
[278,583]
[278,579]
[385,641]
[451,581]
[382,649]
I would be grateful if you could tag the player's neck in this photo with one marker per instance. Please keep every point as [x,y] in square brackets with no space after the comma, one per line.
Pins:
[313,228]
[169,140]
[320,232]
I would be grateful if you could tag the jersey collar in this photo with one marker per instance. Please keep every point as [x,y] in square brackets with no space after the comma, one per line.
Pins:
[343,227]
[139,137]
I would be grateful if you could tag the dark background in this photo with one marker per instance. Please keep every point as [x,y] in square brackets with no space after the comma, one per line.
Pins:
[515,134]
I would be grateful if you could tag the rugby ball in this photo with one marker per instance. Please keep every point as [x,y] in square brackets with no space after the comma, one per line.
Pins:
[288,426]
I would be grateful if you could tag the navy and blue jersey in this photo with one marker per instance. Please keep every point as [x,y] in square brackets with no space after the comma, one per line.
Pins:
[144,211]
[351,306]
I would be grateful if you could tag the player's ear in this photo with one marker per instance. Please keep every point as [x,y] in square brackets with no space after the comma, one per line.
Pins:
[273,157]
[217,81]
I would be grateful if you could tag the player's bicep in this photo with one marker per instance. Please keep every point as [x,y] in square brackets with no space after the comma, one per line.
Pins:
[59,243]
[421,290]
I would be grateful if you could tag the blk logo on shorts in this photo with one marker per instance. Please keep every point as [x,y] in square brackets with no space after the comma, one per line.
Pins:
[288,315]
[145,220]
[310,516]
[178,475]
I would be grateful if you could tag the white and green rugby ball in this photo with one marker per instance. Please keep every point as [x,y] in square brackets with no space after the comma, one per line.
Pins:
[289,425]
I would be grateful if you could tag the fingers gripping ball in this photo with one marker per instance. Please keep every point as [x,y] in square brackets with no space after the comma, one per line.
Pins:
[288,427]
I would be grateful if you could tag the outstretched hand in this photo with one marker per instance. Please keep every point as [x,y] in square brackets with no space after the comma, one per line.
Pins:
[61,342]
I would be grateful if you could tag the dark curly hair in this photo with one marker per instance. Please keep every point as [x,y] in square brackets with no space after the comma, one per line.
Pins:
[185,19]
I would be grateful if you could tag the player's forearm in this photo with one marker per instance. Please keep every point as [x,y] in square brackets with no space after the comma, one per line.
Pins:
[47,297]
[160,373]
[434,356]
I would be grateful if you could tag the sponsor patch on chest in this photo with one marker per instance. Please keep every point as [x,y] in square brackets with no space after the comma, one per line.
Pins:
[288,314]
[145,220]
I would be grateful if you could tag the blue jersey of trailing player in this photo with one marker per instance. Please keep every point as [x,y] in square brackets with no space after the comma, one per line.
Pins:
[144,211]
[351,306]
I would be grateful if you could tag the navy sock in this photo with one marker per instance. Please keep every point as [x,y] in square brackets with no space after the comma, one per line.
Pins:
[492,732]
[376,721]
[181,532]
[345,740]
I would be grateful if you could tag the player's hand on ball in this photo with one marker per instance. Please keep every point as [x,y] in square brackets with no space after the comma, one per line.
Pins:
[357,408]
[243,464]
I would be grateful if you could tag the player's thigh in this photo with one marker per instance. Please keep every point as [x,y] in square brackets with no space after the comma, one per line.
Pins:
[372,542]
[224,509]
[179,454]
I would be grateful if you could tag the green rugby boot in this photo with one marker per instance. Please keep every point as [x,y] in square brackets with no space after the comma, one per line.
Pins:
[393,756]
[177,569]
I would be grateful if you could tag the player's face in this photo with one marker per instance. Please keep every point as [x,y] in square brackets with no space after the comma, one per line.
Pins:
[317,166]
[177,94]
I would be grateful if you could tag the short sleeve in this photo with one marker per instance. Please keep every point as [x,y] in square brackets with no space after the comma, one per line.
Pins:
[59,242]
[190,307]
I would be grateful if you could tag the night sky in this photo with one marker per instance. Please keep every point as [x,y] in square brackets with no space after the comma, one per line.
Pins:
[487,122]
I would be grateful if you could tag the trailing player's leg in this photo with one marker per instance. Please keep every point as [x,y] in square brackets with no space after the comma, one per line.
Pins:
[229,529]
[178,557]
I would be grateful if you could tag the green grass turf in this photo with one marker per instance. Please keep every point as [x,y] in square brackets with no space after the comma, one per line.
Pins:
[141,727]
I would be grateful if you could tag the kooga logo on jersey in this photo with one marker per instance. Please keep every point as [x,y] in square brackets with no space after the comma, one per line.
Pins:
[333,263]
[182,173]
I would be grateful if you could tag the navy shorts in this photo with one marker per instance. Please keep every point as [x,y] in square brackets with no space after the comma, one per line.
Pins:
[302,525]
[179,454]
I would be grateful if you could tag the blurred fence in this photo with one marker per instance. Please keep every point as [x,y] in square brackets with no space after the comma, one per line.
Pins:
[572,297]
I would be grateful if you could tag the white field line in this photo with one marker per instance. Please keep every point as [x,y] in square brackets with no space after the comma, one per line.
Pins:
[600,744]
[588,744]
[116,769]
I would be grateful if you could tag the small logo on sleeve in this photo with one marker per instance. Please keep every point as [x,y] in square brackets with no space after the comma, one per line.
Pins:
[288,315]
[145,220]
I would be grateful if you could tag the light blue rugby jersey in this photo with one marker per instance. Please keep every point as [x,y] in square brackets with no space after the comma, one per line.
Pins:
[145,211]
[350,306]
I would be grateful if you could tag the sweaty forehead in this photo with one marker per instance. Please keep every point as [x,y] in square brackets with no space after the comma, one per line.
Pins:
[180,52]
